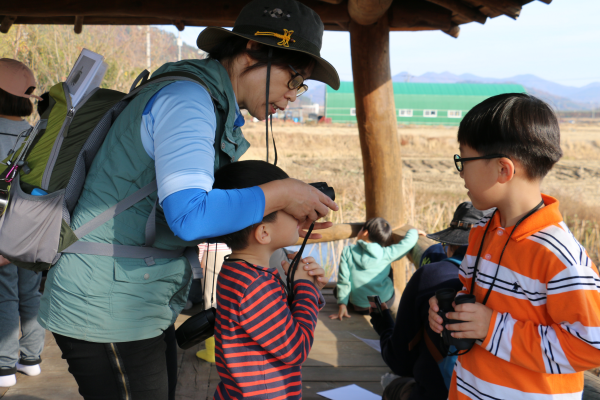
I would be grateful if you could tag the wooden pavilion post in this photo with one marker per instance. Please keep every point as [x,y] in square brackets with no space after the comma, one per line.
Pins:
[377,126]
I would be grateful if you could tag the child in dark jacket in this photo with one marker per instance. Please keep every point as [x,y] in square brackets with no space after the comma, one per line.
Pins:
[261,340]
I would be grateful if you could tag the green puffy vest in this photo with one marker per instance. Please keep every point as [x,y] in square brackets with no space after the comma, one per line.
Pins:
[109,299]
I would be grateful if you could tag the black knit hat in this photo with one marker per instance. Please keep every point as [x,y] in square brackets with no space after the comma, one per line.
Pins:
[465,217]
[285,24]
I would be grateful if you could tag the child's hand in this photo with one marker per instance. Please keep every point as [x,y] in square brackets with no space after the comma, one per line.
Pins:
[435,321]
[308,269]
[342,312]
[477,319]
[422,233]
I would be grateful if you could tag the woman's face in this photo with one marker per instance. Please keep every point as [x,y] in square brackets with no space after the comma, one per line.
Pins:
[252,88]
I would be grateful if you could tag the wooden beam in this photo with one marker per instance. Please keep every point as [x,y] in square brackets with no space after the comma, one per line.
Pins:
[338,1]
[511,8]
[420,15]
[367,12]
[454,31]
[377,127]
[78,25]
[180,25]
[423,243]
[460,8]
[221,12]
[546,1]
[336,232]
[7,22]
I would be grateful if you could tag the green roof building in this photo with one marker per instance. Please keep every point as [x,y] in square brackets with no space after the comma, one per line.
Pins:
[420,103]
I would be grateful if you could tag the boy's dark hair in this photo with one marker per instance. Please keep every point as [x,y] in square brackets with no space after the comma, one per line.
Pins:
[240,175]
[379,230]
[235,46]
[518,125]
[15,106]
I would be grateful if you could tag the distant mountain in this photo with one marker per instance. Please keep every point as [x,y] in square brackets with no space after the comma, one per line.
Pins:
[561,96]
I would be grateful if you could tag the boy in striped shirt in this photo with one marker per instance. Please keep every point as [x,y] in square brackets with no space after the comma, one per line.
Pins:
[537,315]
[261,341]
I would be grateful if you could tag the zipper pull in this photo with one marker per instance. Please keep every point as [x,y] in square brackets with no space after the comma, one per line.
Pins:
[69,118]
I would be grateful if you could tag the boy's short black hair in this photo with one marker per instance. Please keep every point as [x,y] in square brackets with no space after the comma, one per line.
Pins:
[518,125]
[379,230]
[14,106]
[240,175]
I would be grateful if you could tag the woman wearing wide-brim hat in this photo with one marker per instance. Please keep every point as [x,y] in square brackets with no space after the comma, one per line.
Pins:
[113,317]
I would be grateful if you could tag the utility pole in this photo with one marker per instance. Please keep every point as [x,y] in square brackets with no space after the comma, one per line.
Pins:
[179,43]
[148,62]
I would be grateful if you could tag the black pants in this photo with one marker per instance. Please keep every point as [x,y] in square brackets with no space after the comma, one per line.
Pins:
[139,370]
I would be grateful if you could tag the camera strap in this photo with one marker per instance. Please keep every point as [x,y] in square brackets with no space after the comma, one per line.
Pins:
[294,265]
[475,270]
[206,274]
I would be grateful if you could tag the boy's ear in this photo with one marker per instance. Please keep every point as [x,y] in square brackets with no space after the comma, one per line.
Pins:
[262,234]
[506,170]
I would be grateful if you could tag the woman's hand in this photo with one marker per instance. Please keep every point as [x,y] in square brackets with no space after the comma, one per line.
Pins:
[342,312]
[300,200]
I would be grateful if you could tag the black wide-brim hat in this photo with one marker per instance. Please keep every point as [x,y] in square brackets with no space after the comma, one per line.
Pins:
[285,24]
[465,217]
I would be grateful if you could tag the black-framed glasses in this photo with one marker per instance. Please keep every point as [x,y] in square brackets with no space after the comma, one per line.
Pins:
[458,160]
[297,82]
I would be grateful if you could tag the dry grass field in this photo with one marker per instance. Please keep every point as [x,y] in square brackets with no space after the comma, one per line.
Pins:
[432,186]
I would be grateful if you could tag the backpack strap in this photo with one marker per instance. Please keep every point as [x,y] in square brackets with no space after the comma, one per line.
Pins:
[147,252]
[168,76]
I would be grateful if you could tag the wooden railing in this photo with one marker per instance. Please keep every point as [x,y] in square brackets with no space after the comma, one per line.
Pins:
[349,231]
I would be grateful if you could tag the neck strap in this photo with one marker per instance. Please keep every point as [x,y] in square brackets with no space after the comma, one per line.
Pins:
[487,295]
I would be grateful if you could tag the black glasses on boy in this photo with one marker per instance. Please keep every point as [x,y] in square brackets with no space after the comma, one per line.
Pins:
[297,82]
[458,160]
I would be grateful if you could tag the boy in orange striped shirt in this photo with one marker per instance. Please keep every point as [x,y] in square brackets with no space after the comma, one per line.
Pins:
[537,315]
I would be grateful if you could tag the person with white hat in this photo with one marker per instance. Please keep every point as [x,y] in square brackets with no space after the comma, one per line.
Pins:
[19,288]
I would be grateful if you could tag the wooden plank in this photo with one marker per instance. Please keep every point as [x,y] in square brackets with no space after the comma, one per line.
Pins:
[419,15]
[336,232]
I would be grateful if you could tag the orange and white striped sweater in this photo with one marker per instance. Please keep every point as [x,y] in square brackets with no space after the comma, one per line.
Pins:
[545,329]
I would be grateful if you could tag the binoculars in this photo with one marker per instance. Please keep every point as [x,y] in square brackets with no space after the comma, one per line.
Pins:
[201,326]
[445,298]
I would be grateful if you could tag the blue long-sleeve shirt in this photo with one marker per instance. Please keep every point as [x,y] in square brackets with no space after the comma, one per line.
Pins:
[178,133]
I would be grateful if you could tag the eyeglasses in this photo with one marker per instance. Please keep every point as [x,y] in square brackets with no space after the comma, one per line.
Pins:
[458,160]
[297,82]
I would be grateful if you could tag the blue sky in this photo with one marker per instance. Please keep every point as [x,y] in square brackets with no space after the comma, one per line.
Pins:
[559,42]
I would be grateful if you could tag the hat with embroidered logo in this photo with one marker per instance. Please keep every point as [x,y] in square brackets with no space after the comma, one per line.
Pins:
[286,24]
[17,79]
[465,217]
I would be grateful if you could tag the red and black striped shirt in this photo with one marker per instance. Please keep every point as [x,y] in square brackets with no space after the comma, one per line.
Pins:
[260,342]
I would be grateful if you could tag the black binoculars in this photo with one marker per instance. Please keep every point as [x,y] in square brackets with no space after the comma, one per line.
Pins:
[201,326]
[325,189]
[445,298]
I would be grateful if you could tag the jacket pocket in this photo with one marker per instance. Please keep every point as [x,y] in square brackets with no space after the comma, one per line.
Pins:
[141,292]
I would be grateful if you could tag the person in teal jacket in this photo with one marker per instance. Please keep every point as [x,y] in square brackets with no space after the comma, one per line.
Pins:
[112,317]
[365,267]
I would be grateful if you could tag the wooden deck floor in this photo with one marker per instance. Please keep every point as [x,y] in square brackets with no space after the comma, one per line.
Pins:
[337,359]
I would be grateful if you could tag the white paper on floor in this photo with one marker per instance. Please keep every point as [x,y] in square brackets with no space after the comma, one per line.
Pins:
[374,344]
[350,392]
